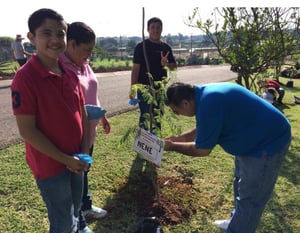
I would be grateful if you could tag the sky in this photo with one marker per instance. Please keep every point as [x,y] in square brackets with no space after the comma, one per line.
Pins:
[121,18]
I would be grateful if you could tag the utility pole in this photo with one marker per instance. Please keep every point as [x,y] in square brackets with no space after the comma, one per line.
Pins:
[191,45]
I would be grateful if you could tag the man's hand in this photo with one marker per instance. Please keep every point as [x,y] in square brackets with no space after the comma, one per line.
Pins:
[168,145]
[132,92]
[164,59]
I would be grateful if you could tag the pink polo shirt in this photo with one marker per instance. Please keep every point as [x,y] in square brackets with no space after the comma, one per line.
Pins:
[89,84]
[56,102]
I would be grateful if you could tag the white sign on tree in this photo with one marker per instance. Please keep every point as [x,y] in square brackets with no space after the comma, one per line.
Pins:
[149,146]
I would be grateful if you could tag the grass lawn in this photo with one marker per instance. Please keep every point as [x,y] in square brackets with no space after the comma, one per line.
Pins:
[8,68]
[200,189]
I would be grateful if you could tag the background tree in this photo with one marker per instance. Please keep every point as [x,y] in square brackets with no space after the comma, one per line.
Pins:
[130,46]
[251,39]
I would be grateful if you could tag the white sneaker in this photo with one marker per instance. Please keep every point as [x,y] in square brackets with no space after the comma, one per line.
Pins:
[94,213]
[86,230]
[223,224]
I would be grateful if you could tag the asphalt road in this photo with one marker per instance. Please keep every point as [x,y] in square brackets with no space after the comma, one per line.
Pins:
[113,91]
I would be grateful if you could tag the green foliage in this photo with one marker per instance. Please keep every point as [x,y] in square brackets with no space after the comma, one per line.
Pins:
[155,95]
[252,39]
[8,68]
[117,182]
[110,63]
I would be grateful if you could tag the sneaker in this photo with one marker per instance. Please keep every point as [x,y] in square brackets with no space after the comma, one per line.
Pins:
[86,230]
[94,213]
[223,224]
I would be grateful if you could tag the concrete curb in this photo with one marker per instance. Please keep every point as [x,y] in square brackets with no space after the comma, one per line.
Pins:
[5,83]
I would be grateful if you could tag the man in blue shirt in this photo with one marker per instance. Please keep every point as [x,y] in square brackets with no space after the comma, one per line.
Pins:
[242,123]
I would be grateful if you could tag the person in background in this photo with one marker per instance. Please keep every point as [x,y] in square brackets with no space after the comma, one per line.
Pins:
[159,55]
[81,40]
[269,95]
[270,85]
[48,104]
[242,123]
[18,52]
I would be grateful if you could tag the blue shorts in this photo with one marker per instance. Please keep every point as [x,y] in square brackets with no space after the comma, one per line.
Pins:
[62,195]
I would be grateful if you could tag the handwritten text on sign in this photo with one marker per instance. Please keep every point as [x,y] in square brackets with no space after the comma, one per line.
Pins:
[148,146]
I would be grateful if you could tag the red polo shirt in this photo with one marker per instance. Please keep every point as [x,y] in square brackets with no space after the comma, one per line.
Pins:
[272,83]
[56,103]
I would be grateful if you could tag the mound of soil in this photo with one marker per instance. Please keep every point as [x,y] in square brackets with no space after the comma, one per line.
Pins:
[168,209]
[164,198]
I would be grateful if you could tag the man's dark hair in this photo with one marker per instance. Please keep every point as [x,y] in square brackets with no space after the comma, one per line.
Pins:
[81,33]
[179,91]
[154,20]
[38,17]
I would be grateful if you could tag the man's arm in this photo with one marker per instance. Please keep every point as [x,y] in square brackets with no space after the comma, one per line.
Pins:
[188,136]
[13,53]
[85,147]
[134,79]
[186,148]
[25,52]
[135,73]
[172,66]
[185,144]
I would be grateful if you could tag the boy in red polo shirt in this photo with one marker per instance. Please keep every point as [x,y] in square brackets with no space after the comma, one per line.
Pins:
[48,104]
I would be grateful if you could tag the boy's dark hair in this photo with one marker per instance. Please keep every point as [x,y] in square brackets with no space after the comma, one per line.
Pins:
[38,17]
[81,33]
[154,20]
[179,91]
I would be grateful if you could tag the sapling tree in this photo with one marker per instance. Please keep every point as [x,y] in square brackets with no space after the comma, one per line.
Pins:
[154,95]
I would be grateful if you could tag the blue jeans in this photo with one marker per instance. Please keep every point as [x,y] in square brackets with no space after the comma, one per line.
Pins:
[254,182]
[62,196]
[86,196]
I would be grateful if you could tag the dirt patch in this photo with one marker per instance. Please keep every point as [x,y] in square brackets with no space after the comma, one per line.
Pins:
[170,207]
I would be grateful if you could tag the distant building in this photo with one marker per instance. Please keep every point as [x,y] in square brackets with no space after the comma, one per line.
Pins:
[183,53]
[211,52]
[121,52]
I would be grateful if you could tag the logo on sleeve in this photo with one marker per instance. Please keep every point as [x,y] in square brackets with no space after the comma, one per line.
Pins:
[16,99]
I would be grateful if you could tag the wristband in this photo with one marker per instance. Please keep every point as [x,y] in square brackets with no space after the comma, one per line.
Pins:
[133,101]
[85,158]
[94,112]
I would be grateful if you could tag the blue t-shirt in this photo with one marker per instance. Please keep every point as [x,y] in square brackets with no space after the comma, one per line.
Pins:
[238,120]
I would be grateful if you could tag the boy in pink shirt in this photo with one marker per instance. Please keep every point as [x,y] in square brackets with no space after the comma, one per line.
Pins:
[81,40]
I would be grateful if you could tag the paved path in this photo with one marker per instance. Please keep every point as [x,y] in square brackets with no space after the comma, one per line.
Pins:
[113,91]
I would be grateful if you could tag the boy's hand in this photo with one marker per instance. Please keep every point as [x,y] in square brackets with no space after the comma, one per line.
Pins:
[105,125]
[77,166]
